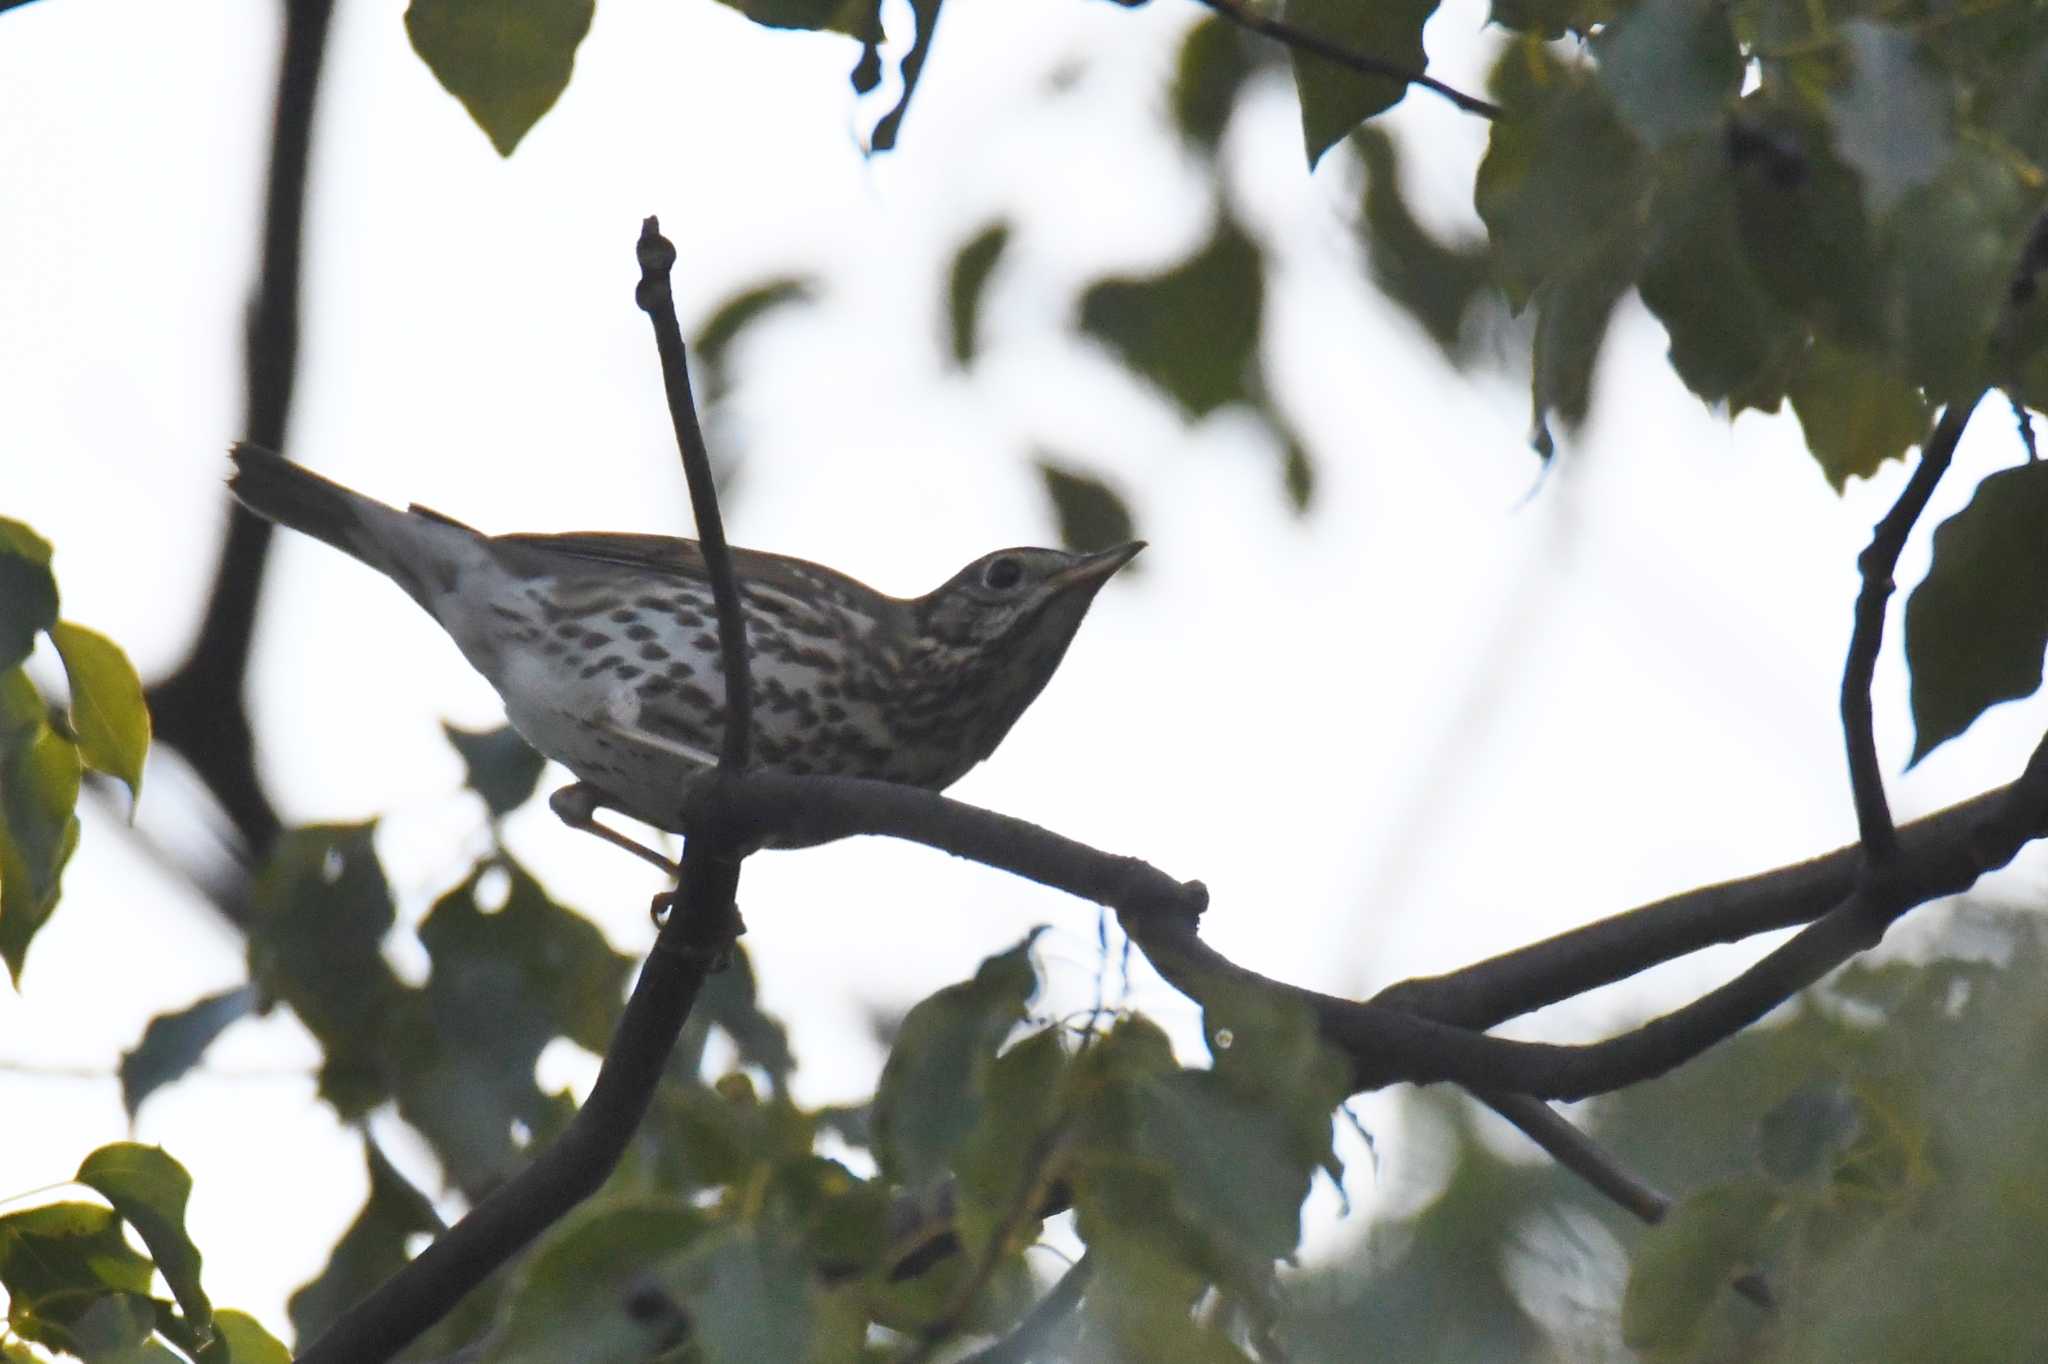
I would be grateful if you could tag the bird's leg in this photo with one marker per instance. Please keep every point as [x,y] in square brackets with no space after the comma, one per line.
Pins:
[576,805]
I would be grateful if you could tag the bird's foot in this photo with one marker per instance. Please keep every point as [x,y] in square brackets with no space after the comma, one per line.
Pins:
[577,805]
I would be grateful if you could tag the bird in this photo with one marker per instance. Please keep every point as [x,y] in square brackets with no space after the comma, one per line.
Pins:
[605,650]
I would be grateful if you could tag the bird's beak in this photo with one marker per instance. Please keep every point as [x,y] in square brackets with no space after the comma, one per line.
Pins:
[1096,568]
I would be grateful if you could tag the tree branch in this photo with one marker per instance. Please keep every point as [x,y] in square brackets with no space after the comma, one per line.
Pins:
[1580,959]
[1301,40]
[199,709]
[1877,562]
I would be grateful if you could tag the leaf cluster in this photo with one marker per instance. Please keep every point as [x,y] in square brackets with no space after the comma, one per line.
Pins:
[45,751]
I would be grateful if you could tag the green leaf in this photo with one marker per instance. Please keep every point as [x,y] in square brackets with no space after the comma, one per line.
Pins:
[1685,1263]
[855,18]
[1561,179]
[587,1292]
[1954,245]
[321,908]
[1730,341]
[28,592]
[1804,1134]
[1335,99]
[1192,330]
[106,704]
[935,1082]
[925,15]
[239,1338]
[1803,226]
[69,1274]
[1298,471]
[1023,1104]
[173,1043]
[712,348]
[1856,412]
[747,1298]
[1091,514]
[1976,627]
[1550,19]
[504,984]
[967,279]
[1573,308]
[369,1252]
[1434,282]
[498,765]
[1892,116]
[729,1002]
[39,779]
[1137,1303]
[1214,63]
[149,1190]
[1670,66]
[508,61]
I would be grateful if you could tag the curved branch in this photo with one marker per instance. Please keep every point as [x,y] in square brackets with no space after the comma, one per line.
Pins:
[1876,563]
[1580,959]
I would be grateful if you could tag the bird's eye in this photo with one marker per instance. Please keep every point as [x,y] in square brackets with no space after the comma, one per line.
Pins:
[1002,574]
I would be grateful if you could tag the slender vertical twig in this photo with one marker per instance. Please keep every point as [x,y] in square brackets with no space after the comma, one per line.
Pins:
[657,255]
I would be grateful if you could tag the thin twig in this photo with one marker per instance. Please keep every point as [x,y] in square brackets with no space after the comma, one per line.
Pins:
[657,255]
[1876,563]
[1300,39]
[1601,1170]
[1033,1333]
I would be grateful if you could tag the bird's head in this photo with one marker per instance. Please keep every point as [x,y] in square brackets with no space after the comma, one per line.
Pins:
[1018,601]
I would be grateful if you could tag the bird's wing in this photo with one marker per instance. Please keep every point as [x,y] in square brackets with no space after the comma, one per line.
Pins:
[670,557]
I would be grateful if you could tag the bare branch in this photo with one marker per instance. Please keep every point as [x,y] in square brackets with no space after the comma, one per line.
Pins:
[1584,958]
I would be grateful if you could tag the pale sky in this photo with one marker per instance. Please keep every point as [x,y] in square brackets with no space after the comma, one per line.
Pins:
[1454,710]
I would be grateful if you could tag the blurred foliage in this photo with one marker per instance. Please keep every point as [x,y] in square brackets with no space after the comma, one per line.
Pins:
[1839,207]
[45,751]
[1092,515]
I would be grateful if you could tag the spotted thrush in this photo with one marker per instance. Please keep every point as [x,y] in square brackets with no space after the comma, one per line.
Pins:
[605,646]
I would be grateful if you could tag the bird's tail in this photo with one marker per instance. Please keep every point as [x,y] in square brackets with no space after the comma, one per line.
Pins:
[383,537]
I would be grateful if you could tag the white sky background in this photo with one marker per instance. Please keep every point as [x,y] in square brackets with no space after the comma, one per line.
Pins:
[1439,718]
